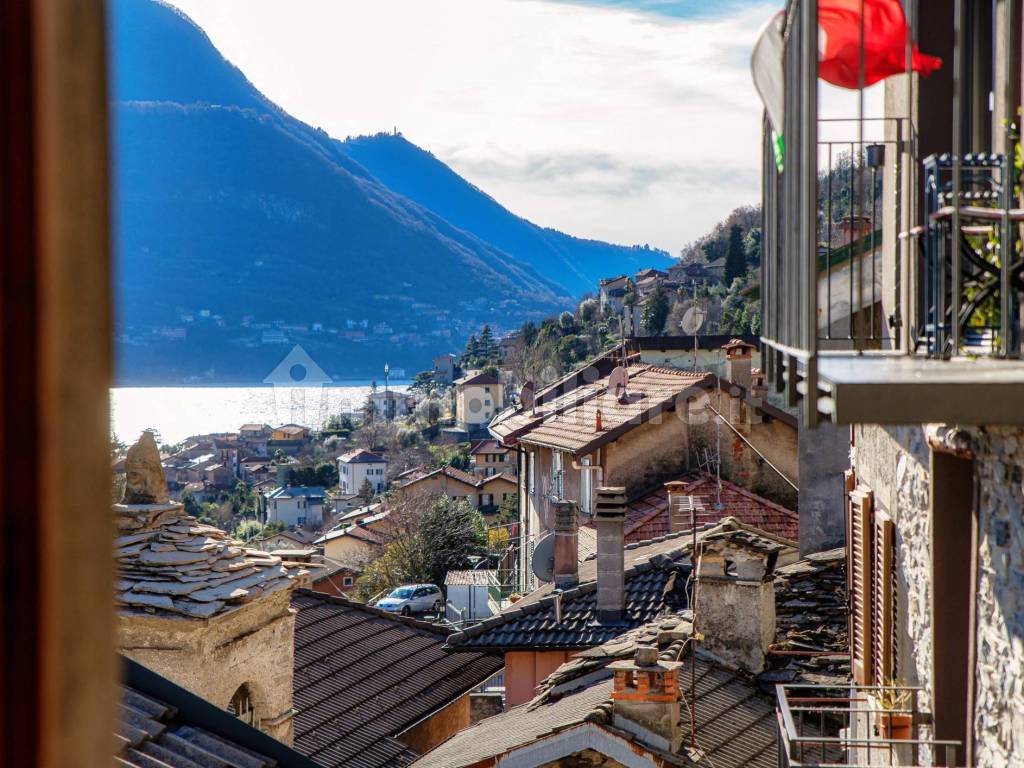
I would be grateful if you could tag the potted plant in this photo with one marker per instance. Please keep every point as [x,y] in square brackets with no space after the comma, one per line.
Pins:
[894,722]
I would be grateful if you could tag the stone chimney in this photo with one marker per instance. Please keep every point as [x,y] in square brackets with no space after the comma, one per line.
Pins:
[735,602]
[609,518]
[682,506]
[738,362]
[566,571]
[645,699]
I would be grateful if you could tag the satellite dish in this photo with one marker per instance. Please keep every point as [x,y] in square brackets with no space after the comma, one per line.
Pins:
[527,395]
[617,380]
[544,558]
[693,320]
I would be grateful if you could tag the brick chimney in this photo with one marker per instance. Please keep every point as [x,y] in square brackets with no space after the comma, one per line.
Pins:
[735,603]
[738,362]
[609,518]
[645,699]
[566,571]
[681,506]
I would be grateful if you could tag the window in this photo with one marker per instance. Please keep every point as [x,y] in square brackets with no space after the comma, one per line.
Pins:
[556,474]
[241,706]
[586,487]
[872,592]
[301,521]
[347,581]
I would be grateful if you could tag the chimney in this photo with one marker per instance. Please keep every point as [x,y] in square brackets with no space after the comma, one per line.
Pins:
[738,361]
[609,517]
[566,570]
[682,507]
[758,392]
[735,601]
[645,699]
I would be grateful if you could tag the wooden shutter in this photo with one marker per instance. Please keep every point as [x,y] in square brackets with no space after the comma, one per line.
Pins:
[860,503]
[882,600]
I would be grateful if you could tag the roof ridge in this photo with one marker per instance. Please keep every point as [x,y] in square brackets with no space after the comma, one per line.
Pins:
[323,597]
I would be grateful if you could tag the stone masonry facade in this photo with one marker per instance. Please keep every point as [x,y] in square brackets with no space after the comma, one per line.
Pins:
[894,462]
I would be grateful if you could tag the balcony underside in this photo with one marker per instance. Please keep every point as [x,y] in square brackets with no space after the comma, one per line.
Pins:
[892,389]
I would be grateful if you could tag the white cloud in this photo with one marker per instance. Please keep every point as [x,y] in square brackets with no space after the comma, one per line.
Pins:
[601,122]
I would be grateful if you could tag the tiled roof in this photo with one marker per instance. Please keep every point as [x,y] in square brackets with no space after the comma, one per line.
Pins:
[448,471]
[470,579]
[479,378]
[647,514]
[170,564]
[362,676]
[655,577]
[568,422]
[487,446]
[362,456]
[164,726]
[356,532]
[735,721]
[811,615]
[498,476]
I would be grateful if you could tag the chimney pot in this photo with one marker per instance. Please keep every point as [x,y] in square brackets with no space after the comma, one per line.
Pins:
[681,506]
[609,518]
[645,699]
[566,571]
[598,421]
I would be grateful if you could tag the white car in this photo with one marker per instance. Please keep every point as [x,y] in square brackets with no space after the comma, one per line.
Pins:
[412,598]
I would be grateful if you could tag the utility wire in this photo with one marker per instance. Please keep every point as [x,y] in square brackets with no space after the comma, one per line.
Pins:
[752,447]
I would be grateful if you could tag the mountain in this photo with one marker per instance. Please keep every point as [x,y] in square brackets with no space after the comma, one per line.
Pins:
[574,263]
[239,230]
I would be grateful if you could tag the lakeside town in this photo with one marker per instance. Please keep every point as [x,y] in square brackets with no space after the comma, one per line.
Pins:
[760,505]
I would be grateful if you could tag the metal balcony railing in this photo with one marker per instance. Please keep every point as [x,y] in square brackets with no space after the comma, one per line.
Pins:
[845,727]
[891,287]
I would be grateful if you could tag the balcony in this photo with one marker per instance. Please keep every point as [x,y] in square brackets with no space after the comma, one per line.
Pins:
[891,285]
[846,728]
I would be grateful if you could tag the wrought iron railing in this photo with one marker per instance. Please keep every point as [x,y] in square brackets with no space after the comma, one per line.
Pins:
[846,727]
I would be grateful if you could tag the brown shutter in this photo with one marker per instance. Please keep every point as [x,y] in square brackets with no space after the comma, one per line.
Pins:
[859,514]
[882,601]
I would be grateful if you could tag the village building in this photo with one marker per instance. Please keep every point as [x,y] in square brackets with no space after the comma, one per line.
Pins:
[296,538]
[376,689]
[588,603]
[923,376]
[163,724]
[198,607]
[445,369]
[388,404]
[611,292]
[490,458]
[477,398]
[485,494]
[352,546]
[254,438]
[289,438]
[357,467]
[297,506]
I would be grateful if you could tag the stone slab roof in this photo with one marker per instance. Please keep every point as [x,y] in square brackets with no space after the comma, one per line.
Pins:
[569,422]
[163,725]
[735,720]
[363,676]
[655,578]
[170,564]
[647,514]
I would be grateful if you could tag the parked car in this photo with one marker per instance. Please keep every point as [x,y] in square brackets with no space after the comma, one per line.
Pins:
[412,598]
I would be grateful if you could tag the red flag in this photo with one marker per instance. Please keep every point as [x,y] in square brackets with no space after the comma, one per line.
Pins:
[885,40]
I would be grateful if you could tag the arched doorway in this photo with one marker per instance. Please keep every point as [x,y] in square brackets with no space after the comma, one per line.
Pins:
[241,706]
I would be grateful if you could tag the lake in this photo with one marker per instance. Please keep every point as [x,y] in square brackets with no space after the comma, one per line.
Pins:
[178,412]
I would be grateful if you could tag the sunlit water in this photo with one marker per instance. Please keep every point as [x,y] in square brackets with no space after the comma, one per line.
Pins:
[178,412]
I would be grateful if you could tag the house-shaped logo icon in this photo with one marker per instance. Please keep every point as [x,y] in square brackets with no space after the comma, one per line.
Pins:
[297,369]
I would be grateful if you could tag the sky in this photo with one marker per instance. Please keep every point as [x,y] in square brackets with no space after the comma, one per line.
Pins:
[632,121]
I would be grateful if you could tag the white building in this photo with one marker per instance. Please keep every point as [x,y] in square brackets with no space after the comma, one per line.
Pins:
[356,467]
[296,506]
[390,404]
[477,398]
[469,594]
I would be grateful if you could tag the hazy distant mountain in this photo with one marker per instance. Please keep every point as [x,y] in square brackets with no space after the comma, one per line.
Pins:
[573,262]
[237,225]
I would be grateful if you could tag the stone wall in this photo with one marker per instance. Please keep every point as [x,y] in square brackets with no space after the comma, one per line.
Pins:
[999,672]
[650,453]
[894,462]
[252,645]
